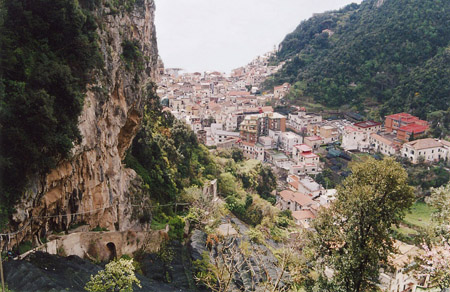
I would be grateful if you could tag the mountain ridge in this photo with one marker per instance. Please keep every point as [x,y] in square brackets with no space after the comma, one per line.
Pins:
[368,53]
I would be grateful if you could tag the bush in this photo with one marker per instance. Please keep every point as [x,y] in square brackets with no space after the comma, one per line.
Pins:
[227,184]
[176,228]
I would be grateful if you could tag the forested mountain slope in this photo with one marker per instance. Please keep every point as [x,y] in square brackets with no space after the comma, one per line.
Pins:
[392,53]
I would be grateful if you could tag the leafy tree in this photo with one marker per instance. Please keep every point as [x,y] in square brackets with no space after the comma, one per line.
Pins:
[352,237]
[118,275]
[227,184]
[440,200]
[435,261]
[267,182]
[237,155]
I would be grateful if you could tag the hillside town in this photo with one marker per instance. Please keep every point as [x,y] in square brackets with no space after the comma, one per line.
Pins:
[231,112]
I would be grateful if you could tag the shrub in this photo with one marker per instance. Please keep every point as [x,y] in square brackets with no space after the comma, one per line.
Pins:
[176,228]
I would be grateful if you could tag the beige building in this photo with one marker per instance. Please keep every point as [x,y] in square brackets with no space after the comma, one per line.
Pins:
[313,141]
[295,201]
[382,144]
[430,150]
[401,279]
[329,134]
[368,126]
[280,91]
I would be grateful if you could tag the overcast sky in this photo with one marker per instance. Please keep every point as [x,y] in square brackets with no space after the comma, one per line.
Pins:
[207,35]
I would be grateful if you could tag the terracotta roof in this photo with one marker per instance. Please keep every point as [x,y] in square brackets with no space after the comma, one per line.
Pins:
[403,116]
[414,128]
[299,198]
[424,143]
[303,215]
[309,155]
[382,139]
[302,199]
[266,109]
[286,194]
[446,143]
[294,184]
[248,143]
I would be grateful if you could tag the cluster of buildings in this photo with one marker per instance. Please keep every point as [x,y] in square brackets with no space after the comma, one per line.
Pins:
[230,111]
[399,136]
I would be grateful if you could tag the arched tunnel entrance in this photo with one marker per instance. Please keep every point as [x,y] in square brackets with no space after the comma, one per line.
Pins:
[112,250]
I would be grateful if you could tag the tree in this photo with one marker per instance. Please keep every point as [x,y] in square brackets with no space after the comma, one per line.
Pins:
[440,200]
[352,237]
[435,262]
[267,182]
[227,184]
[237,155]
[118,275]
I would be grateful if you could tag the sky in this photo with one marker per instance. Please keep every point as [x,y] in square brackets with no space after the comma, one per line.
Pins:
[220,35]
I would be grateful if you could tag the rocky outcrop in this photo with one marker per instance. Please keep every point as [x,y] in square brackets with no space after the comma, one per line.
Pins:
[93,186]
[254,265]
[45,272]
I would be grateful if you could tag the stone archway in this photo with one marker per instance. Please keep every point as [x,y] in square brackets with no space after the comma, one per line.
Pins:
[112,250]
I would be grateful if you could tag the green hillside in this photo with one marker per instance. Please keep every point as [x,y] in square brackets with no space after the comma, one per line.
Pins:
[392,55]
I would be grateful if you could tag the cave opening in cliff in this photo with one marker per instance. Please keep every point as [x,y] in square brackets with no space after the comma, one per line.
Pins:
[112,250]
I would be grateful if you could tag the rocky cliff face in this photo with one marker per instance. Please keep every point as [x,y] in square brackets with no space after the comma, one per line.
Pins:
[93,186]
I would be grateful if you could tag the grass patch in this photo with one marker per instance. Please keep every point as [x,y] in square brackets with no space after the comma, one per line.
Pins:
[248,165]
[405,230]
[360,156]
[420,215]
[99,229]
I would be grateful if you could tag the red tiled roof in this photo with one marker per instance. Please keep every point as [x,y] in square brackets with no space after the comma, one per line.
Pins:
[248,143]
[309,155]
[303,214]
[407,118]
[413,128]
[294,184]
[299,198]
[266,109]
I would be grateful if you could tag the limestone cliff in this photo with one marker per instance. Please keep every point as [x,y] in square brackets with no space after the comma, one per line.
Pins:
[93,186]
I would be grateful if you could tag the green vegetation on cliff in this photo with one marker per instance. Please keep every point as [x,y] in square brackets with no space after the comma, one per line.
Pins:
[167,155]
[48,48]
[389,53]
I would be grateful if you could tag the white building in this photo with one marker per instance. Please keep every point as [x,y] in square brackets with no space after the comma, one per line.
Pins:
[431,150]
[288,140]
[382,144]
[221,136]
[309,186]
[302,120]
[354,139]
